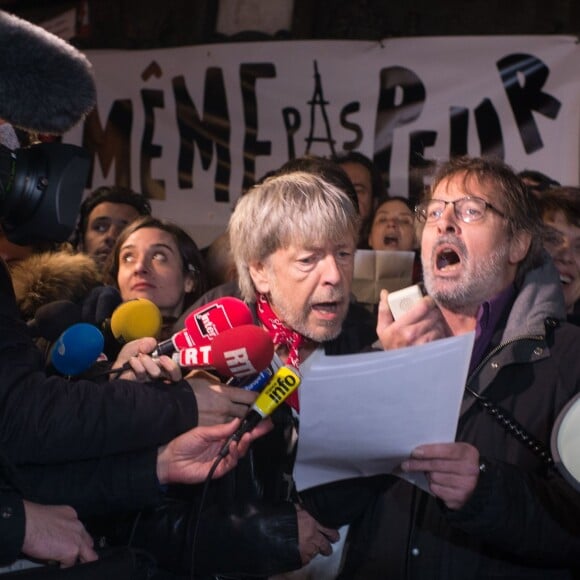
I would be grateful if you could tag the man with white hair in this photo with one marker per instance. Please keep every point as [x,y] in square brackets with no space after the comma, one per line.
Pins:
[293,238]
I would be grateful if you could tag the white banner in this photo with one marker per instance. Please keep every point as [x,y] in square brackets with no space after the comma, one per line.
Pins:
[192,127]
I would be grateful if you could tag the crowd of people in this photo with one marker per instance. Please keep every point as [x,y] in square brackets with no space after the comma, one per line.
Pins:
[89,466]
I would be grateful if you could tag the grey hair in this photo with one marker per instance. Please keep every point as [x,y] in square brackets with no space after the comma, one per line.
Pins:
[297,207]
[518,204]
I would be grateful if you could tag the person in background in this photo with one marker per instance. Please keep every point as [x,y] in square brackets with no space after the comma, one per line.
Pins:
[220,262]
[560,211]
[103,215]
[368,183]
[537,181]
[328,169]
[366,179]
[156,259]
[496,507]
[393,227]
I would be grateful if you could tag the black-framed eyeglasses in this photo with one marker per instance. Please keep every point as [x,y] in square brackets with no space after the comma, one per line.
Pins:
[467,209]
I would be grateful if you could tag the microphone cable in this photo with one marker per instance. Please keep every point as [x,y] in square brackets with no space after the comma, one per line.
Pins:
[193,514]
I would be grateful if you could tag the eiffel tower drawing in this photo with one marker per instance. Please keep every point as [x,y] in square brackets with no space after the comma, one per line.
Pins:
[318,102]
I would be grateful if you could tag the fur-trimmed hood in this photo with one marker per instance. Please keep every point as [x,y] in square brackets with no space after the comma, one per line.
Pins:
[49,276]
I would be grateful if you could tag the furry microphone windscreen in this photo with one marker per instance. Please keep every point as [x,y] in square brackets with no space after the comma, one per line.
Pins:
[46,85]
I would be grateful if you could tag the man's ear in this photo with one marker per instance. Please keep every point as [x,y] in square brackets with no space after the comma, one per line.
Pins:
[519,246]
[188,283]
[260,274]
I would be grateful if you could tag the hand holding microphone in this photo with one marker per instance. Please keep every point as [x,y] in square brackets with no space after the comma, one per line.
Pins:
[284,382]
[135,363]
[235,352]
[194,346]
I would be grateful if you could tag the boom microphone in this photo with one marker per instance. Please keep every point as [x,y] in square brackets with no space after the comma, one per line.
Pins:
[284,382]
[239,352]
[46,85]
[52,319]
[77,349]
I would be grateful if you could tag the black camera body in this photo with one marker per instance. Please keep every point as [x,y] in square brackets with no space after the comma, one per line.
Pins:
[41,188]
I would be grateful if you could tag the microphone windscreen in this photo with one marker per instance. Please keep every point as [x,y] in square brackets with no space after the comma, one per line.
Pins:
[52,319]
[46,85]
[208,321]
[242,351]
[77,348]
[136,318]
[99,304]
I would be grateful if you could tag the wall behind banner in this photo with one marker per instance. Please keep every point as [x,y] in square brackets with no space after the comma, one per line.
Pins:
[156,24]
[192,127]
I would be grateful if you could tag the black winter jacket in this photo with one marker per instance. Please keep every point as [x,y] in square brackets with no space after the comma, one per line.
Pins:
[248,525]
[12,517]
[78,442]
[523,520]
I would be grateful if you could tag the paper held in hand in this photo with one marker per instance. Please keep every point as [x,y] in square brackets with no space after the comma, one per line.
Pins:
[363,414]
[375,270]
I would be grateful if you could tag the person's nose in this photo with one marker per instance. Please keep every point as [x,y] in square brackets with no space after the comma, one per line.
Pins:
[564,252]
[111,235]
[140,265]
[392,222]
[113,232]
[331,271]
[448,221]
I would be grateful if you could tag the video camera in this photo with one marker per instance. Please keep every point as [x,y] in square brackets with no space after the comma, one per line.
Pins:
[41,188]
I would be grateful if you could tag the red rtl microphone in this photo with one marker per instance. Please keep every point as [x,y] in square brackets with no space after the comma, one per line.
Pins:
[205,323]
[237,352]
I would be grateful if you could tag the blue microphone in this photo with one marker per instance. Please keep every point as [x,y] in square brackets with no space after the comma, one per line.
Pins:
[77,348]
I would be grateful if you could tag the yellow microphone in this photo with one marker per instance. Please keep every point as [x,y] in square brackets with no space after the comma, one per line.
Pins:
[135,319]
[284,382]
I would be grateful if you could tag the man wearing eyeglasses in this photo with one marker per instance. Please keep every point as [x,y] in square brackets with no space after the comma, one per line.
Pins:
[496,507]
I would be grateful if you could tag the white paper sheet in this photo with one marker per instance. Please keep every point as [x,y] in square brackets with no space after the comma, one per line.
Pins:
[375,270]
[362,414]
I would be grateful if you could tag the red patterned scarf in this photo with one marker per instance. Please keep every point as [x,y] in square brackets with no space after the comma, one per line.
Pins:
[281,335]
